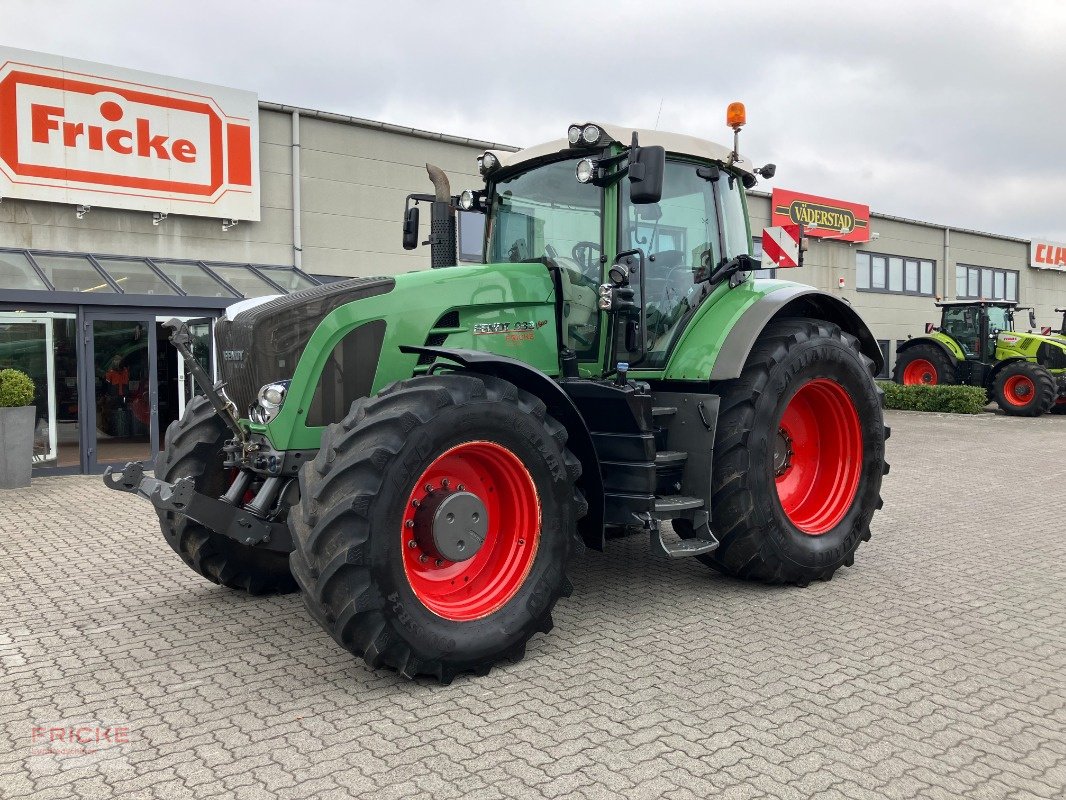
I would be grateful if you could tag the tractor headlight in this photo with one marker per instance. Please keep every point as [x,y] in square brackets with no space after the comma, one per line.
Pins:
[271,399]
[573,135]
[487,162]
[591,134]
[585,170]
[466,200]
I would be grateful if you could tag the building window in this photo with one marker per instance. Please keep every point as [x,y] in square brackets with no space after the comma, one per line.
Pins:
[756,252]
[972,283]
[876,272]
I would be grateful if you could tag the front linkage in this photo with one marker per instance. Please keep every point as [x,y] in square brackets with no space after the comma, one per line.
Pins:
[227,515]
[181,497]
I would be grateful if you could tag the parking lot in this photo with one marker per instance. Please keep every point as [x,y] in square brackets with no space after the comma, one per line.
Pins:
[935,667]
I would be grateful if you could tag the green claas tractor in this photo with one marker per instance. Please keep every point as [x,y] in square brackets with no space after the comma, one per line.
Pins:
[976,345]
[422,455]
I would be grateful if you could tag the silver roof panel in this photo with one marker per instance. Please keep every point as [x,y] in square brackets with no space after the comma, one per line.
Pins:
[678,143]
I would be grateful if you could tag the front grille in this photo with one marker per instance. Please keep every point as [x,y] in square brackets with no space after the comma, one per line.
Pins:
[264,343]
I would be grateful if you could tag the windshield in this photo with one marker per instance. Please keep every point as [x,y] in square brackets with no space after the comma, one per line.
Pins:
[547,213]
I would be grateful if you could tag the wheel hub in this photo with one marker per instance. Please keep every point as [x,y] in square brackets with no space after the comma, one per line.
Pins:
[451,525]
[782,452]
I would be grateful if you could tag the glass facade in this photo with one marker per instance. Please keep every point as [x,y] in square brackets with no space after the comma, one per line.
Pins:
[88,329]
[73,274]
[244,280]
[193,279]
[135,276]
[17,272]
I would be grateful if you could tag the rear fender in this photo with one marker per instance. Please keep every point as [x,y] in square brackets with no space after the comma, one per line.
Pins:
[703,353]
[560,406]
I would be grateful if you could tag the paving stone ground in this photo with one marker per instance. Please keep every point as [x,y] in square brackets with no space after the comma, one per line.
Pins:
[936,667]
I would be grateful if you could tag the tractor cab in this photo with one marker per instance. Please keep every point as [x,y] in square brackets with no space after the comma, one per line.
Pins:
[975,326]
[637,227]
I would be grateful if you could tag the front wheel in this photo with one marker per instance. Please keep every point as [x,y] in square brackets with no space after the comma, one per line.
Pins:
[799,455]
[436,523]
[193,448]
[923,365]
[1024,389]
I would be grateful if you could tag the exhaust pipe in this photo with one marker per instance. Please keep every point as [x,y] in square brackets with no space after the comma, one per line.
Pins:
[442,230]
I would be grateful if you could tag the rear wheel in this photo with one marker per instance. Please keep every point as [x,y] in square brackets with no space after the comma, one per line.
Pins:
[923,364]
[436,523]
[798,457]
[193,447]
[1024,389]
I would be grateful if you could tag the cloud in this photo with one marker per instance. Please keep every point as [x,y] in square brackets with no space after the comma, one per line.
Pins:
[948,112]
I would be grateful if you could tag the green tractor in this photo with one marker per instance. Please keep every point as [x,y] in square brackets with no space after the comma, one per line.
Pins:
[422,455]
[976,345]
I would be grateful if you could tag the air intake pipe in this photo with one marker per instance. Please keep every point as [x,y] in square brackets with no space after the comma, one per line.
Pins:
[442,237]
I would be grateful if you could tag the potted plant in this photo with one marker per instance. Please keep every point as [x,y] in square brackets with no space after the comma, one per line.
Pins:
[17,416]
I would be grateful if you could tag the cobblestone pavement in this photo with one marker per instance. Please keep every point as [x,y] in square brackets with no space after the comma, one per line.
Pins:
[933,668]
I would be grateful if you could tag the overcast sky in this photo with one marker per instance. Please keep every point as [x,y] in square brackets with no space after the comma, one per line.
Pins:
[951,112]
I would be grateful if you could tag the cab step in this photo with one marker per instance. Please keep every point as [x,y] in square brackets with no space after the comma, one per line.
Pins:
[668,458]
[675,505]
[681,548]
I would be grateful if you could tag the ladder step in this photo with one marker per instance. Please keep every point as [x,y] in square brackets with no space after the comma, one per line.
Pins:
[681,548]
[666,458]
[673,505]
[663,411]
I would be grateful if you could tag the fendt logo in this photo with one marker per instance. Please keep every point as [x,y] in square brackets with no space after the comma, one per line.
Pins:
[105,136]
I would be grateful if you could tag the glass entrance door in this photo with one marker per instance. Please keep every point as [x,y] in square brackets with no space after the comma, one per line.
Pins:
[122,397]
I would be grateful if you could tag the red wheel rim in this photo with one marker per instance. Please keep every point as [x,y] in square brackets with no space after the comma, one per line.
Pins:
[919,371]
[1019,390]
[818,456]
[481,585]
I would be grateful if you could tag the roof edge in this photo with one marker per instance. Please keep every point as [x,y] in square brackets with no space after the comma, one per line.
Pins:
[360,122]
[937,225]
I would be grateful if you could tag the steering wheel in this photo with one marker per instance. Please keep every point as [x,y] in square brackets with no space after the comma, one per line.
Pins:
[582,254]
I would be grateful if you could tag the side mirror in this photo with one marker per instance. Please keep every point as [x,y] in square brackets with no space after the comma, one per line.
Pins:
[1032,317]
[646,168]
[410,228]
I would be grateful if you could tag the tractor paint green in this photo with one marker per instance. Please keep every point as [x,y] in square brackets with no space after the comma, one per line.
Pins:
[422,455]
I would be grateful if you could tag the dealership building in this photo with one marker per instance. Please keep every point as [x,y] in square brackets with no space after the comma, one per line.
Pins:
[129,199]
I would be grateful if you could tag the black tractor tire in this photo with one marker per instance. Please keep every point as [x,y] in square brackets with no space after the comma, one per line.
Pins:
[1024,389]
[941,368]
[759,540]
[193,447]
[356,557]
